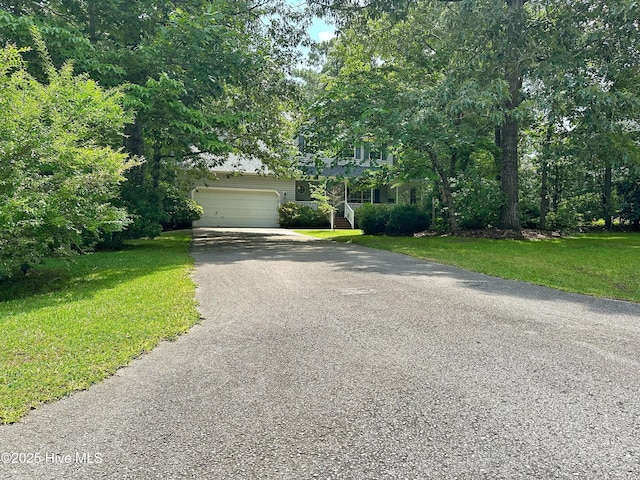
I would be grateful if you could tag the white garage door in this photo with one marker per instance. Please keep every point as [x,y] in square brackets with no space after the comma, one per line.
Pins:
[232,207]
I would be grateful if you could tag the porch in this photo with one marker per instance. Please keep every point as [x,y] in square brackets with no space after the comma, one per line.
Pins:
[347,198]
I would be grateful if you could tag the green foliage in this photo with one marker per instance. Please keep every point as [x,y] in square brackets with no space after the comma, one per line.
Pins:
[201,77]
[564,218]
[58,168]
[375,219]
[180,211]
[407,220]
[144,204]
[629,191]
[477,200]
[66,325]
[294,215]
[551,85]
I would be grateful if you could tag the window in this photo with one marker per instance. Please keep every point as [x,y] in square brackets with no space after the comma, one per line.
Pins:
[348,153]
[301,143]
[359,196]
[372,152]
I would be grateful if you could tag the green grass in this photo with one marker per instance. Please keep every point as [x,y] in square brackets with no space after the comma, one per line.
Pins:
[67,326]
[602,265]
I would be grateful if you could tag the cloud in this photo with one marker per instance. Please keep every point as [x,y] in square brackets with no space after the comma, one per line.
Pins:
[325,36]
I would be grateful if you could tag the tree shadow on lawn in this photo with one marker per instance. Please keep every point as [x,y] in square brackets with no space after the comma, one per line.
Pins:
[225,247]
[83,276]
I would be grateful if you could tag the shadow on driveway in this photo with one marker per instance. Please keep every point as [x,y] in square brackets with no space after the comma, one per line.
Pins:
[228,246]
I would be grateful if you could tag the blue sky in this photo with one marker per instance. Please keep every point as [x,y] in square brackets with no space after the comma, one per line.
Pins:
[321,31]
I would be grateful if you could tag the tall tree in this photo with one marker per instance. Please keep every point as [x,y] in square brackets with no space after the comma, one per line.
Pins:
[203,76]
[406,81]
[570,49]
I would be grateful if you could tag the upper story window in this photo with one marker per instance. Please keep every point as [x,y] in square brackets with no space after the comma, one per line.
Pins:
[301,144]
[372,153]
[363,154]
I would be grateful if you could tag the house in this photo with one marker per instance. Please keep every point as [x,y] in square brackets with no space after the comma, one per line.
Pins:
[245,195]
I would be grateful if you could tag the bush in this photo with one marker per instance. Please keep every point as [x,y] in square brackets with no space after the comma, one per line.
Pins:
[565,218]
[294,215]
[407,220]
[59,164]
[477,200]
[179,210]
[373,218]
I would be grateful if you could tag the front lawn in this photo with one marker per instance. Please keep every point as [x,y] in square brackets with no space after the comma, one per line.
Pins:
[66,326]
[603,265]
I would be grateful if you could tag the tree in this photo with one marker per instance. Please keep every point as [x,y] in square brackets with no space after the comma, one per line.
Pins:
[203,77]
[383,86]
[496,43]
[59,163]
[329,196]
[556,58]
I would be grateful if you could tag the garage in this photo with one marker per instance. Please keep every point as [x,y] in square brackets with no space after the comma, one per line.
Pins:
[235,207]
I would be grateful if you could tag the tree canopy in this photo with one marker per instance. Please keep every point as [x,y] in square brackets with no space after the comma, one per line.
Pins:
[530,84]
[508,112]
[200,77]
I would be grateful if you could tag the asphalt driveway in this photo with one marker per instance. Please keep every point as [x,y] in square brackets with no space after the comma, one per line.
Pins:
[317,360]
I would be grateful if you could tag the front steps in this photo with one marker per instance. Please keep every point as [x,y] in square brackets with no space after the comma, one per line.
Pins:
[341,223]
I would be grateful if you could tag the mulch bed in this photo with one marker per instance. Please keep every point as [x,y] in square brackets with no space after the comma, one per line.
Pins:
[524,234]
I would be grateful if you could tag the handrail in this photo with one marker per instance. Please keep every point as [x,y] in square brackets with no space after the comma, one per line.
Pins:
[349,214]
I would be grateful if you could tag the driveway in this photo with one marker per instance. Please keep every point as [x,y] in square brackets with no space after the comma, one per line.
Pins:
[318,360]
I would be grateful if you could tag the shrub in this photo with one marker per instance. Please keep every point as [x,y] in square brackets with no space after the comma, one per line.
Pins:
[477,200]
[294,215]
[59,164]
[373,218]
[565,218]
[407,220]
[180,211]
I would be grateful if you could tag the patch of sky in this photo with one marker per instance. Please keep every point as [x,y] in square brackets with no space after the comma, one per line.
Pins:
[319,30]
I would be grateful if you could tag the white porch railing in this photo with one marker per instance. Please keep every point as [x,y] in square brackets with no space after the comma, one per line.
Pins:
[349,214]
[349,209]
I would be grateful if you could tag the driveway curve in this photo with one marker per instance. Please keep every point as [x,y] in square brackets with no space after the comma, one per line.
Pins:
[319,360]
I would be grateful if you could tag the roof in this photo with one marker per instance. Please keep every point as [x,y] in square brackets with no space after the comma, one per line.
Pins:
[308,166]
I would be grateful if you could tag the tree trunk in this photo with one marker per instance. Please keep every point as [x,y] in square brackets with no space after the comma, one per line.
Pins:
[91,11]
[155,169]
[544,195]
[509,134]
[447,195]
[509,212]
[133,140]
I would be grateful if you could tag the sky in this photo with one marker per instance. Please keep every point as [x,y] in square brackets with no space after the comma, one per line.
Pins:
[320,31]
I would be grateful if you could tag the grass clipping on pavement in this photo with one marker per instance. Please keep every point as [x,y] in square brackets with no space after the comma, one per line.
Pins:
[67,326]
